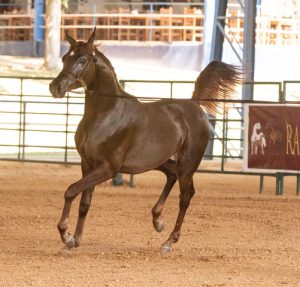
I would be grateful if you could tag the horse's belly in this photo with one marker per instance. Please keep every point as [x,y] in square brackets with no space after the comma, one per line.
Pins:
[138,160]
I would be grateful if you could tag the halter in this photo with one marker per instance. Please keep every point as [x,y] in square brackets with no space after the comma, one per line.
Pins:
[79,77]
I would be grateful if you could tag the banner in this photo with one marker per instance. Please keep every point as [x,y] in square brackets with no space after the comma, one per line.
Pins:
[272,138]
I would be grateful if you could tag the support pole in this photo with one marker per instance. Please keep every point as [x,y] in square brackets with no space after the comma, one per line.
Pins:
[218,36]
[38,32]
[213,44]
[249,48]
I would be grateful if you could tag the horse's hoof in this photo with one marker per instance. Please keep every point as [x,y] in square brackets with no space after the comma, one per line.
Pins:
[165,249]
[71,242]
[159,227]
[65,251]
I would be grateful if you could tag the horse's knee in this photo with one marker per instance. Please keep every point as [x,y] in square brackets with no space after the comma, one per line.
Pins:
[71,192]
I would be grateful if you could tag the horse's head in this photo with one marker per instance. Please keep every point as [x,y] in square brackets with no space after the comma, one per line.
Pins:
[78,67]
[257,126]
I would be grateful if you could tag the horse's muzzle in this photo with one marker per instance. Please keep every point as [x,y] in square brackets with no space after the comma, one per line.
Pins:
[56,90]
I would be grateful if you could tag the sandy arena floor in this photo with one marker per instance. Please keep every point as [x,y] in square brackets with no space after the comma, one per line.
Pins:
[232,235]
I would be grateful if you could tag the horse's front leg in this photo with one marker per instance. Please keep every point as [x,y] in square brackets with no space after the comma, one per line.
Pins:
[84,207]
[62,225]
[88,182]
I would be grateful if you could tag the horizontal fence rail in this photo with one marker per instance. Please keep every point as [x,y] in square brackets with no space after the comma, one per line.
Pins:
[36,127]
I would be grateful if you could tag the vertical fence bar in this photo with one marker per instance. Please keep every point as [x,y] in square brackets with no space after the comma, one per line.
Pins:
[279,183]
[67,129]
[223,140]
[20,117]
[261,184]
[298,185]
[226,137]
[131,182]
[171,90]
[24,130]
[284,90]
[281,93]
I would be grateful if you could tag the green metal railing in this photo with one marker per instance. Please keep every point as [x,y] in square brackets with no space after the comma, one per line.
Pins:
[35,127]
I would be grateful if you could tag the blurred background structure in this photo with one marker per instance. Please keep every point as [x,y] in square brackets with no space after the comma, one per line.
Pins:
[154,30]
[157,48]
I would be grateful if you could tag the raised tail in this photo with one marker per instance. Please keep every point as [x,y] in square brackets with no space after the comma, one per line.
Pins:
[216,82]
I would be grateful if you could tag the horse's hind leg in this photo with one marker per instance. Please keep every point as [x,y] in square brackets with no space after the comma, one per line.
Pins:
[168,169]
[188,161]
[186,193]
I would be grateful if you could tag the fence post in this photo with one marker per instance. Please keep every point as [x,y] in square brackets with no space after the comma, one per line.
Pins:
[67,129]
[131,181]
[261,184]
[20,118]
[23,130]
[118,180]
[279,183]
[223,138]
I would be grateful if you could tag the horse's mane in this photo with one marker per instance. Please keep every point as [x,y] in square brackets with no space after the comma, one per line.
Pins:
[109,64]
[106,60]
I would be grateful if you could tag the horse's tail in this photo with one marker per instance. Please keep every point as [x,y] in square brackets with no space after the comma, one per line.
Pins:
[216,82]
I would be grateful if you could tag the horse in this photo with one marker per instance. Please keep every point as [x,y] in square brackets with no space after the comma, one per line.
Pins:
[120,134]
[258,140]
[274,135]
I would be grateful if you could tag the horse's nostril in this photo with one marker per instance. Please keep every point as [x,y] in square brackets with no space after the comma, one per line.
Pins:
[53,88]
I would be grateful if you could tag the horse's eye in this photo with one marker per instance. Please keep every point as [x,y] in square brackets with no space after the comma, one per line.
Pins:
[82,60]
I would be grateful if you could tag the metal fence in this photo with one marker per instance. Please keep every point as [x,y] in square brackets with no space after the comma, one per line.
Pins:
[36,127]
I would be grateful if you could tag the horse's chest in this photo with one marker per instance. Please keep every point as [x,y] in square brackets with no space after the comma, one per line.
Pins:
[88,139]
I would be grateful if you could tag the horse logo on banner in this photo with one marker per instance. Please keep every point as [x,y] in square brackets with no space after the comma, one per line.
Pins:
[258,140]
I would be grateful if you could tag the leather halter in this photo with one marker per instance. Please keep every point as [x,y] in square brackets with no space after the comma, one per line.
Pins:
[79,77]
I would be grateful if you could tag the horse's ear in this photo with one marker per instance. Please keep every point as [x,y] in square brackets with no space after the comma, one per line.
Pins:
[91,40]
[70,39]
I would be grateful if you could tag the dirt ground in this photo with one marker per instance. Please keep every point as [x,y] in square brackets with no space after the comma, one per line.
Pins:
[232,235]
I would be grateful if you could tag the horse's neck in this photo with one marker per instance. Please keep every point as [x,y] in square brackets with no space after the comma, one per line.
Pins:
[103,93]
[105,83]
[254,132]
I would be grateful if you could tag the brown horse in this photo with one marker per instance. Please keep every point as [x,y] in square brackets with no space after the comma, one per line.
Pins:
[120,134]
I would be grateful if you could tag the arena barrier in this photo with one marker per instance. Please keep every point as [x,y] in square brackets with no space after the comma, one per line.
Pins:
[35,127]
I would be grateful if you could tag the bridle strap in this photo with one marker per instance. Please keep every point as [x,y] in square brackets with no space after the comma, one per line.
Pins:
[83,84]
[79,77]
